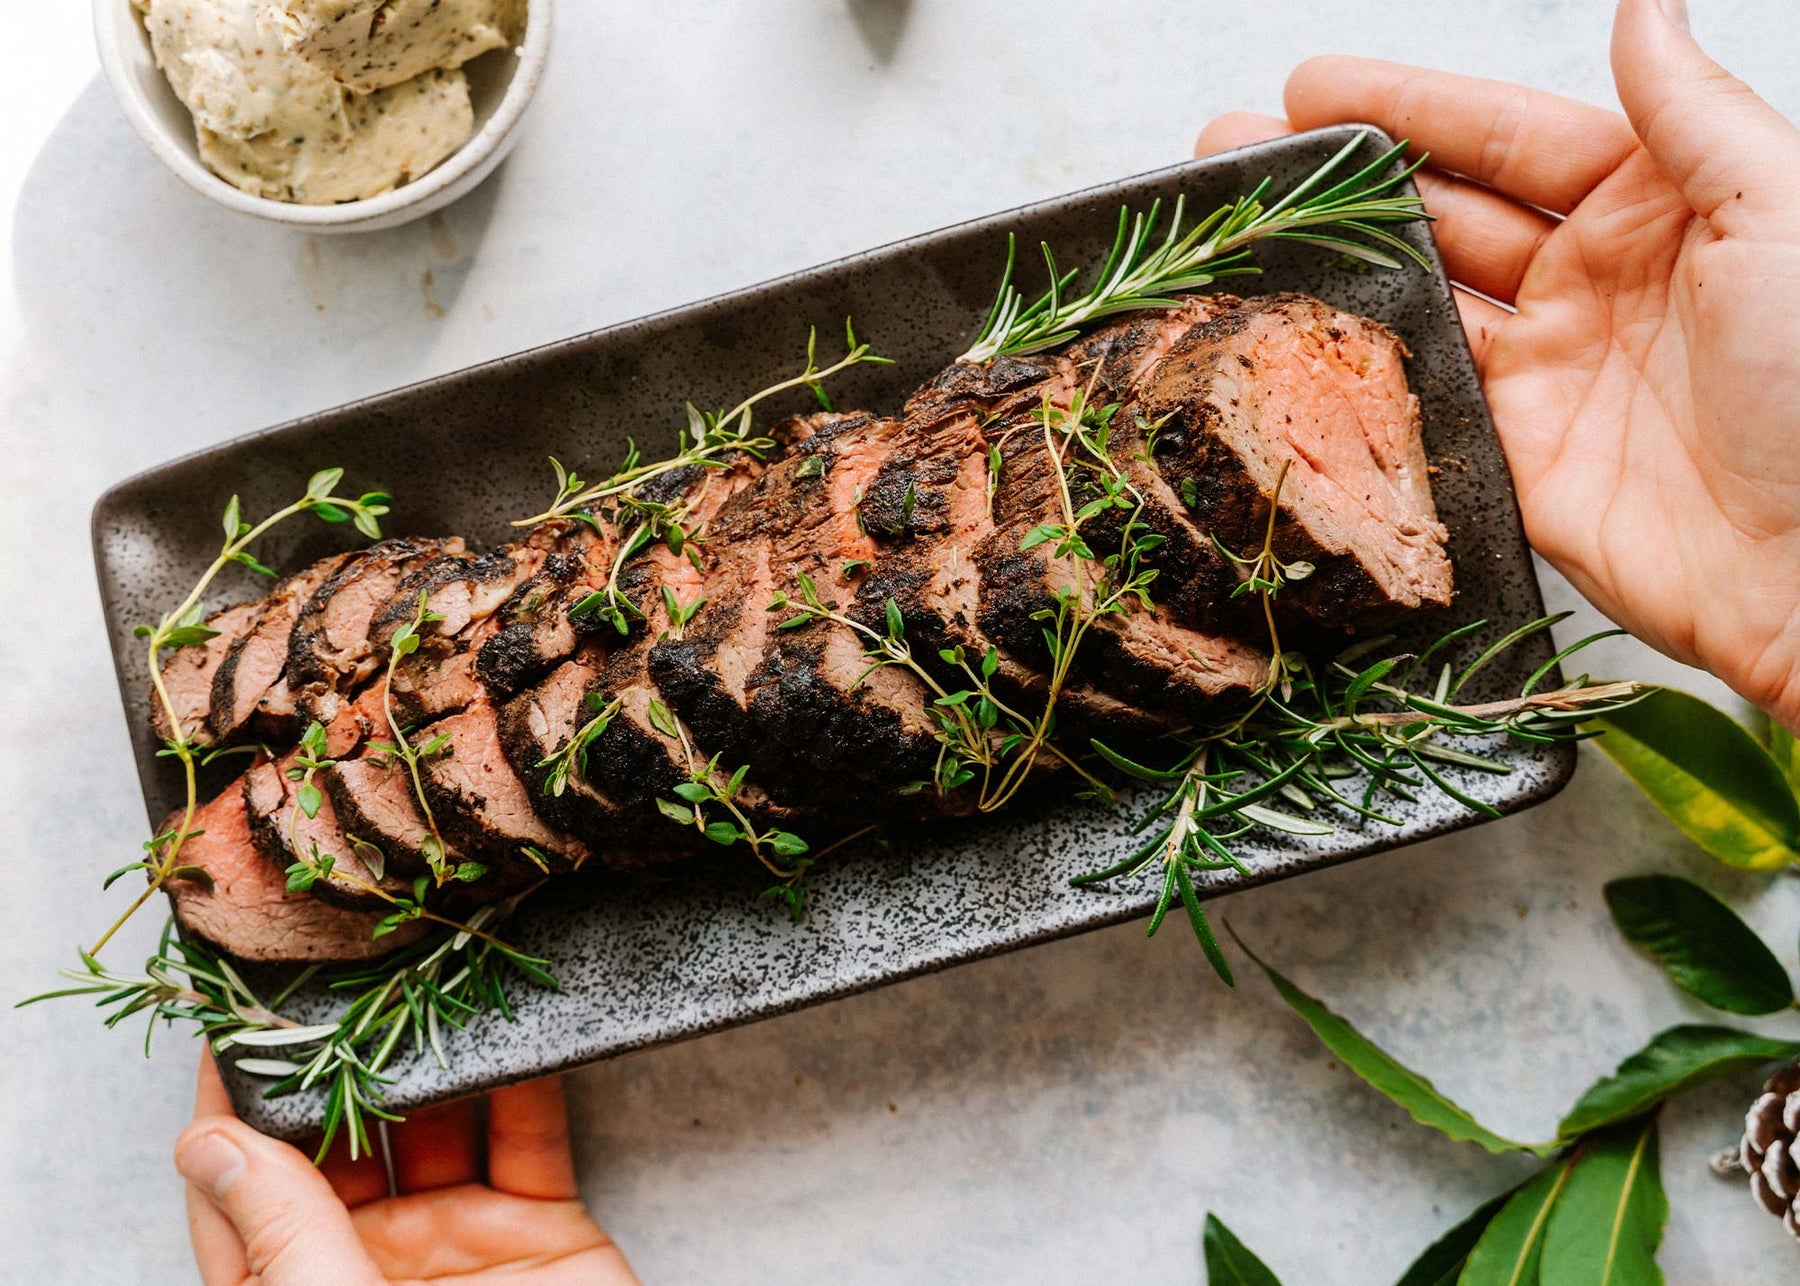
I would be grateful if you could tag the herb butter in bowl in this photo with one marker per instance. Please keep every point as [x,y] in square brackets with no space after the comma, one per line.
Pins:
[330,115]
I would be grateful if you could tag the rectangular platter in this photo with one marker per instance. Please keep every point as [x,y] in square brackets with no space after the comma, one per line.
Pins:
[692,950]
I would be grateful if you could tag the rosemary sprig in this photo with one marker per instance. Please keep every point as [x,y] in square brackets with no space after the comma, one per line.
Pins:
[1351,216]
[1344,723]
[182,627]
[406,1000]
[708,439]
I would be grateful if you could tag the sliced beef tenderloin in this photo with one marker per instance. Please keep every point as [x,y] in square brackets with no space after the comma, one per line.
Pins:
[249,912]
[812,701]
[549,616]
[483,809]
[330,653]
[467,591]
[536,727]
[1140,654]
[187,675]
[285,834]
[1289,380]
[252,694]
[533,630]
[704,670]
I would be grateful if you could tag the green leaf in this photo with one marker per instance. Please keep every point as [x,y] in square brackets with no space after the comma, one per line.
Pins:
[1412,1092]
[1785,751]
[675,812]
[188,636]
[1197,920]
[234,517]
[1708,951]
[1709,775]
[309,798]
[1674,1061]
[1609,1221]
[1229,1262]
[1512,1247]
[1442,1262]
[786,843]
[320,484]
[124,870]
[661,719]
[722,832]
[693,791]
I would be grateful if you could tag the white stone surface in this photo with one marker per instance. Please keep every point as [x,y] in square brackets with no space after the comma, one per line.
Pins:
[1063,1115]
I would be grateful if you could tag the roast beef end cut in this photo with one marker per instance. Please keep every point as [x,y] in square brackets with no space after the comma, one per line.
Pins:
[250,913]
[1287,380]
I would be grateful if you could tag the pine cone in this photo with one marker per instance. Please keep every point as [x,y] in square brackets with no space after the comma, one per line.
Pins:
[1770,1152]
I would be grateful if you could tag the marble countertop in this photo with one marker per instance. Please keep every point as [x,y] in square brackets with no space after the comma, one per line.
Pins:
[1067,1114]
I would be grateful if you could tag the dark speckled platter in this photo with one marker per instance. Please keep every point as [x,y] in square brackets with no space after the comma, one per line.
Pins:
[692,950]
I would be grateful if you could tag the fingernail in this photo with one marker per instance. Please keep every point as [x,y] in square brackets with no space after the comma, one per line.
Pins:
[211,1162]
[1676,11]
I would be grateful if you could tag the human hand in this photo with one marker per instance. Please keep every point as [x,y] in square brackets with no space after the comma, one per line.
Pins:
[1644,373]
[258,1210]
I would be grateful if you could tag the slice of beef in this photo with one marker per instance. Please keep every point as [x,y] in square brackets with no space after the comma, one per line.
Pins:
[250,913]
[284,834]
[533,627]
[929,570]
[467,591]
[551,614]
[1140,654]
[187,674]
[372,794]
[1287,379]
[482,807]
[330,653]
[251,695]
[704,672]
[538,725]
[813,695]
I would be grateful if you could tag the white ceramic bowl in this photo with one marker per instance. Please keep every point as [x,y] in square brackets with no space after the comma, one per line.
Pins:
[501,86]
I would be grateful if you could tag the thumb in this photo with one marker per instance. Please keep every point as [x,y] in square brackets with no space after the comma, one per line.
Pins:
[1726,149]
[295,1230]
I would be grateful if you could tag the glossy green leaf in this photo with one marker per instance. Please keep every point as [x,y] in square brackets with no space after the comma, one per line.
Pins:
[1229,1262]
[1785,751]
[1675,1060]
[1708,951]
[1443,1261]
[1512,1246]
[1412,1092]
[1609,1220]
[1709,775]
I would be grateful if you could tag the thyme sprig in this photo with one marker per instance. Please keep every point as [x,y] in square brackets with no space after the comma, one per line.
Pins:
[572,759]
[402,749]
[1352,216]
[978,732]
[703,789]
[183,626]
[405,1000]
[709,439]
[1343,723]
[649,521]
[1264,574]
